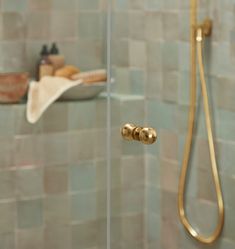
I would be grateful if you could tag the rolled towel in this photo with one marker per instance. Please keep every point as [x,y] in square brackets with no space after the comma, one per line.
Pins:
[91,76]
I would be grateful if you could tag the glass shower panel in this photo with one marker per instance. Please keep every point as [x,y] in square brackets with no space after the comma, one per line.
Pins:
[128,53]
[151,67]
[53,173]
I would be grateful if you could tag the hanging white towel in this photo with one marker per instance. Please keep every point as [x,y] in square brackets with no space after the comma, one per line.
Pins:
[42,94]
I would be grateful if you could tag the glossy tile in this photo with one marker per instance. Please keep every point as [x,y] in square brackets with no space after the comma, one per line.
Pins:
[56,179]
[83,206]
[29,214]
[29,182]
[8,221]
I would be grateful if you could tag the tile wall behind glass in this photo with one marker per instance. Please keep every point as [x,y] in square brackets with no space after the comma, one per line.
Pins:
[151,47]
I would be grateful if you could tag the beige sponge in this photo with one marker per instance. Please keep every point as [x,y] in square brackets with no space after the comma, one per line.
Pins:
[67,71]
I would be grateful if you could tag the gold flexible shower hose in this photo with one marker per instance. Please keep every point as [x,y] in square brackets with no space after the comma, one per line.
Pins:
[182,182]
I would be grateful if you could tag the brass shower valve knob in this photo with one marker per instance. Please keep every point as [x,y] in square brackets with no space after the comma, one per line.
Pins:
[145,135]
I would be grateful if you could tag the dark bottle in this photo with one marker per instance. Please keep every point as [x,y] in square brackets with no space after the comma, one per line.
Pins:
[56,59]
[54,49]
[45,67]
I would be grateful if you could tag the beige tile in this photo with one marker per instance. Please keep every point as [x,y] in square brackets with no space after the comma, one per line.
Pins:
[21,125]
[29,182]
[94,5]
[7,184]
[63,25]
[8,215]
[153,25]
[120,53]
[154,56]
[57,210]
[69,49]
[224,94]
[7,240]
[84,235]
[27,150]
[116,223]
[81,145]
[133,171]
[170,25]
[116,203]
[203,154]
[42,21]
[168,145]
[169,206]
[55,119]
[90,25]
[94,56]
[152,170]
[55,148]
[206,187]
[138,54]
[207,222]
[13,56]
[101,173]
[153,230]
[101,204]
[133,200]
[171,228]
[43,5]
[13,26]
[132,228]
[182,118]
[169,175]
[6,150]
[170,86]
[102,233]
[121,24]
[137,25]
[100,150]
[154,85]
[56,179]
[57,237]
[136,4]
[30,238]
[64,5]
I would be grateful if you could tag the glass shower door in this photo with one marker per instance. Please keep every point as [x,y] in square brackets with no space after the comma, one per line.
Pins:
[128,170]
[150,48]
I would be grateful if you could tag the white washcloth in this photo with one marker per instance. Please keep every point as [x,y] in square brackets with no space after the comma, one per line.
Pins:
[42,94]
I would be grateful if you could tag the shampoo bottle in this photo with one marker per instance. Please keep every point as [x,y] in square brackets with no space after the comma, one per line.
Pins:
[56,59]
[45,67]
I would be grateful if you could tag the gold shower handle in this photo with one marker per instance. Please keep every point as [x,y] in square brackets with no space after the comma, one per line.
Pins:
[145,135]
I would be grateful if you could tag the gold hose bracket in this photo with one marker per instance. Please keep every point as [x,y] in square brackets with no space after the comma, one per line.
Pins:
[197,37]
[203,30]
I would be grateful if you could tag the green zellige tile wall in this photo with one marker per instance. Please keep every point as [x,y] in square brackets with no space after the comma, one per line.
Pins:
[53,174]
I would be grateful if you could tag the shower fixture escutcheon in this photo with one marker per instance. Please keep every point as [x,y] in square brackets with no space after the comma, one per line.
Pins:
[205,27]
[145,135]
